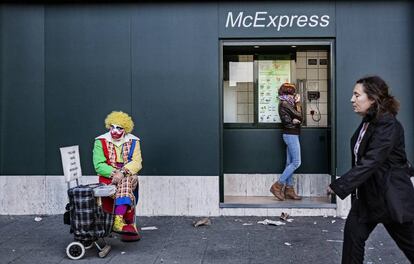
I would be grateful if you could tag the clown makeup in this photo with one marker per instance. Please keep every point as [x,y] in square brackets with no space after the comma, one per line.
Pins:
[117,132]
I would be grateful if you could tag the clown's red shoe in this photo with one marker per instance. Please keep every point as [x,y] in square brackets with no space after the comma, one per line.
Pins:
[130,233]
[130,238]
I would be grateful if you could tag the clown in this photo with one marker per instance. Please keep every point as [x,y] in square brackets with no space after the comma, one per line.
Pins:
[117,160]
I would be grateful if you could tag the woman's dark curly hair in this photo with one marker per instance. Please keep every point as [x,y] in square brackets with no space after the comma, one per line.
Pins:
[378,91]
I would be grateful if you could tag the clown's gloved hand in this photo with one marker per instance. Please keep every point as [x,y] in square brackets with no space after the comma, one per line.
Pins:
[117,177]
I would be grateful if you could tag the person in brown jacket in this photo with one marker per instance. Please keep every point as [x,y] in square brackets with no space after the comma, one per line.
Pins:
[291,116]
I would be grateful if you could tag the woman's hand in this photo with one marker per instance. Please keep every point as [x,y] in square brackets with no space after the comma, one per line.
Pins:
[296,121]
[329,191]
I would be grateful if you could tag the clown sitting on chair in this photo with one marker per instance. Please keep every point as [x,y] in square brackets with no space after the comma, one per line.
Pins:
[117,160]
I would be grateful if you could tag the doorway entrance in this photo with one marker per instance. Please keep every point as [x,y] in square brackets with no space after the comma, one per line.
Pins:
[253,152]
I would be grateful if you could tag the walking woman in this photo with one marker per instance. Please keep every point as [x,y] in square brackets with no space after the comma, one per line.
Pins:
[291,116]
[378,159]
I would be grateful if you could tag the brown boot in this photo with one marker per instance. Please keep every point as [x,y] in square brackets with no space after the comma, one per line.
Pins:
[277,190]
[290,193]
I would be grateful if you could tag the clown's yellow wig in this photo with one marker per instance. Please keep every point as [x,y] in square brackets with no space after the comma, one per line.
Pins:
[120,118]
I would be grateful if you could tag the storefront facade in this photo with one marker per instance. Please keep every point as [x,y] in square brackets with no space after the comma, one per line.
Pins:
[199,79]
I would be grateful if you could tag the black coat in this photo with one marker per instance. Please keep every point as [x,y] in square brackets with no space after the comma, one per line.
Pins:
[381,153]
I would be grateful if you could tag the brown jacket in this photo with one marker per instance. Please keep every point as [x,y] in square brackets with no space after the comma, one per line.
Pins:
[287,113]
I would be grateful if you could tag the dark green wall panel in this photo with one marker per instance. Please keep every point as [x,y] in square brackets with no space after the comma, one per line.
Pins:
[87,75]
[2,22]
[263,151]
[65,67]
[22,87]
[175,88]
[373,38]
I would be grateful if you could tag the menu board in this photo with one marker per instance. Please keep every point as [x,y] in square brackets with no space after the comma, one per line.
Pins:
[272,74]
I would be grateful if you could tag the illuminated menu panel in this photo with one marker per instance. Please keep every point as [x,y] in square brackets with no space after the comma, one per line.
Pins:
[271,75]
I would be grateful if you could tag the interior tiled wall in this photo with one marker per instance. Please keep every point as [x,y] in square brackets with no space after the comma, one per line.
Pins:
[245,102]
[316,77]
[245,97]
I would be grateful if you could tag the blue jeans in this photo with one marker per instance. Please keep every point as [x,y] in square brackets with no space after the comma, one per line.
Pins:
[292,158]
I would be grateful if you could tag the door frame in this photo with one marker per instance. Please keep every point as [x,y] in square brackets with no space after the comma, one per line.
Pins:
[281,42]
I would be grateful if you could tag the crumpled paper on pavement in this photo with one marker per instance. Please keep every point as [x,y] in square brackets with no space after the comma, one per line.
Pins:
[271,222]
[205,221]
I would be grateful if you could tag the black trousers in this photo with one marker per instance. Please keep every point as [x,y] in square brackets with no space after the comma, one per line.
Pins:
[356,233]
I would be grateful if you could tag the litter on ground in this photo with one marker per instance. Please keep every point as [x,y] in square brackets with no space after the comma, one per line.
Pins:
[149,228]
[271,222]
[284,216]
[203,222]
[337,241]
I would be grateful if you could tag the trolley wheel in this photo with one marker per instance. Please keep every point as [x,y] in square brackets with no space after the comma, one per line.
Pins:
[75,250]
[87,244]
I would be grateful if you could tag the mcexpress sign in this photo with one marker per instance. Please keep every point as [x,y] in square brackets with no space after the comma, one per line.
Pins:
[263,20]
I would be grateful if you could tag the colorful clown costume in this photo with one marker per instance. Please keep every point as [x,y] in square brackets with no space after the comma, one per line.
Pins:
[117,160]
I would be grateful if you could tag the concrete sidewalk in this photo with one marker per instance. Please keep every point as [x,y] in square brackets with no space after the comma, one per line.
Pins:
[226,240]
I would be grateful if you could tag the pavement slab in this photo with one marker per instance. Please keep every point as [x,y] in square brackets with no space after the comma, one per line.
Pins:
[227,240]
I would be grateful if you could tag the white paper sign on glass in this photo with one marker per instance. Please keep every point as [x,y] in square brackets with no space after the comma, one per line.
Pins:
[71,163]
[240,72]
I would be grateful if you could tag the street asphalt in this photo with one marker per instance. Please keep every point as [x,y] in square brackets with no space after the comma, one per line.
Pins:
[43,239]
